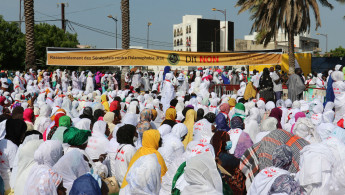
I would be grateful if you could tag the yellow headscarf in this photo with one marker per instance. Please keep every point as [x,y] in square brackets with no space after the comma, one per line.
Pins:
[150,145]
[189,122]
[105,103]
[170,114]
[232,103]
[250,91]
[40,77]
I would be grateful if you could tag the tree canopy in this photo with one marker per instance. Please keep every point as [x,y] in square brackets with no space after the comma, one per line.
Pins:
[337,52]
[12,43]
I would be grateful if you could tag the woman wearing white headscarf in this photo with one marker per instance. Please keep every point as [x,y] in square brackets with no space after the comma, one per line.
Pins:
[202,129]
[339,93]
[252,126]
[261,106]
[97,145]
[305,129]
[143,177]
[320,83]
[318,174]
[75,81]
[82,80]
[84,124]
[172,146]
[64,81]
[25,163]
[160,114]
[71,166]
[74,111]
[46,155]
[267,126]
[89,84]
[42,122]
[67,106]
[131,116]
[202,176]
[168,91]
[8,150]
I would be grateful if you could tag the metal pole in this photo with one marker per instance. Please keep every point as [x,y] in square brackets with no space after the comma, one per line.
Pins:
[148,32]
[20,15]
[225,33]
[116,31]
[326,43]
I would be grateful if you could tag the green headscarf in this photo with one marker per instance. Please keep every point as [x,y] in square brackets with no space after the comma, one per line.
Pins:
[76,137]
[65,121]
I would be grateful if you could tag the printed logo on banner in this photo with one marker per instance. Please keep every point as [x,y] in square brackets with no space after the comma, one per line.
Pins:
[173,58]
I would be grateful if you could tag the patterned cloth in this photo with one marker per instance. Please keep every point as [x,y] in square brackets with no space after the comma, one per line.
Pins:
[237,123]
[259,156]
[282,157]
[144,123]
[285,184]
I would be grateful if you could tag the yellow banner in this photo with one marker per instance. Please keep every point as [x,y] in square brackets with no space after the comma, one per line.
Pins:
[142,57]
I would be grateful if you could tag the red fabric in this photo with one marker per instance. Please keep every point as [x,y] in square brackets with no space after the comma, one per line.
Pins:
[28,115]
[56,119]
[340,123]
[263,99]
[114,105]
[2,100]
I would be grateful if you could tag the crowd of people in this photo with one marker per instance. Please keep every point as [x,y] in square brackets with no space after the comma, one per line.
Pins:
[64,132]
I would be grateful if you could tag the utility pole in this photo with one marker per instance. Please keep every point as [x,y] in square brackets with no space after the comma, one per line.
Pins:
[63,17]
[20,15]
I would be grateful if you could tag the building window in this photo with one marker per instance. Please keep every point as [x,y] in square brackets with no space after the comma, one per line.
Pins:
[175,33]
[181,42]
[181,31]
[178,42]
[190,29]
[174,43]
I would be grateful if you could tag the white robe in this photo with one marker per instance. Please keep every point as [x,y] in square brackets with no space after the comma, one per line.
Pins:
[339,101]
[119,161]
[89,85]
[168,93]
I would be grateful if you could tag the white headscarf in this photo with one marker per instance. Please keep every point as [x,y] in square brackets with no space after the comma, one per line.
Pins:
[338,76]
[164,129]
[304,128]
[144,176]
[202,131]
[202,176]
[270,105]
[84,124]
[172,146]
[252,123]
[97,143]
[48,153]
[71,166]
[267,126]
[25,163]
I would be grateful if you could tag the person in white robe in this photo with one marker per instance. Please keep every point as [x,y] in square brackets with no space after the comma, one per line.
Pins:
[75,81]
[89,84]
[145,82]
[42,122]
[136,79]
[64,81]
[172,146]
[143,177]
[82,80]
[305,129]
[168,92]
[339,93]
[252,123]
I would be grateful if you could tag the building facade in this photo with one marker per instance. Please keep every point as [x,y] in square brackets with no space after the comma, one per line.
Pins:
[303,43]
[196,34]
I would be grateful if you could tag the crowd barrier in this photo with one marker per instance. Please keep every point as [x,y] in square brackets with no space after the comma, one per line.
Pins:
[221,89]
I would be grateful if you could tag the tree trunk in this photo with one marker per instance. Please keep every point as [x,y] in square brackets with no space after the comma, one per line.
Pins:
[29,34]
[125,24]
[125,36]
[291,52]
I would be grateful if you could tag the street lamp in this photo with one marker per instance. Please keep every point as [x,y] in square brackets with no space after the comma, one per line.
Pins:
[148,33]
[115,19]
[225,34]
[325,35]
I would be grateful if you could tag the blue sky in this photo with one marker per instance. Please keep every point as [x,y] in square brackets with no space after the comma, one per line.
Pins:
[162,14]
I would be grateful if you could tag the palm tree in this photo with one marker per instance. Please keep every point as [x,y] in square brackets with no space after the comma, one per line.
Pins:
[29,34]
[125,35]
[293,16]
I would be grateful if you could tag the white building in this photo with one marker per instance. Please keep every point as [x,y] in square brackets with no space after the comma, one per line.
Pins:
[303,43]
[203,35]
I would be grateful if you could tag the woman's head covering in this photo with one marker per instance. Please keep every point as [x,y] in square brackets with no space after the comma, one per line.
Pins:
[144,176]
[43,181]
[145,118]
[210,117]
[296,105]
[71,166]
[28,115]
[288,103]
[48,153]
[114,105]
[237,122]
[76,137]
[109,117]
[270,105]
[277,113]
[218,141]
[64,121]
[86,184]
[84,123]
[240,110]
[170,114]
[269,124]
[150,144]
[179,130]
[202,175]
[304,128]
[280,103]
[57,119]
[338,133]
[338,76]
[15,130]
[225,107]
[285,184]
[232,102]
[282,157]
[87,113]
